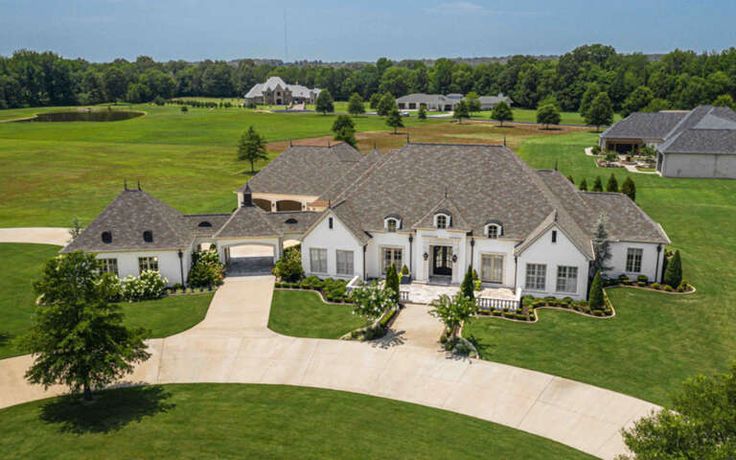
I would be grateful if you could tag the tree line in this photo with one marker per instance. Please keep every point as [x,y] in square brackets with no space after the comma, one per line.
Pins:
[676,80]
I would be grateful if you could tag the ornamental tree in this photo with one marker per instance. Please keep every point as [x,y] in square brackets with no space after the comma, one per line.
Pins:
[392,282]
[461,111]
[583,185]
[600,111]
[629,188]
[372,301]
[612,185]
[601,246]
[595,297]
[325,103]
[502,112]
[598,184]
[355,105]
[699,423]
[252,148]
[467,287]
[548,114]
[394,119]
[78,339]
[289,266]
[673,273]
[453,311]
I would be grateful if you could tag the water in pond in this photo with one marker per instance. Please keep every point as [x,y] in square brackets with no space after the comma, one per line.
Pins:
[100,115]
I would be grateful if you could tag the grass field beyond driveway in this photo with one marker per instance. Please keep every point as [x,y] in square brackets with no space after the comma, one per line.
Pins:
[22,264]
[304,314]
[255,421]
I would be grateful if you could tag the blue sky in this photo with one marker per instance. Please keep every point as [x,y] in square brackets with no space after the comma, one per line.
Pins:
[331,30]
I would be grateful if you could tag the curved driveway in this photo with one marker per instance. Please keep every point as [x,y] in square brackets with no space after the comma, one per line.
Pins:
[233,344]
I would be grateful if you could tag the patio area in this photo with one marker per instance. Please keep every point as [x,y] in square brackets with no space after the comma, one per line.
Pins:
[421,293]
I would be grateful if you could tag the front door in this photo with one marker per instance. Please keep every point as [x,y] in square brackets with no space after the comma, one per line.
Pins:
[442,261]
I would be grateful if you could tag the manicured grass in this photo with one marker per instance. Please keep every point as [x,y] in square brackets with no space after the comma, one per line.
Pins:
[255,421]
[304,314]
[186,159]
[530,116]
[657,340]
[23,264]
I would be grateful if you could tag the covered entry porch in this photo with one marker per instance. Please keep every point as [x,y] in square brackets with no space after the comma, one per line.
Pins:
[249,256]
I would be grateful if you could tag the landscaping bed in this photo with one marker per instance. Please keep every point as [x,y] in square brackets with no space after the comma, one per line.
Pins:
[331,290]
[530,304]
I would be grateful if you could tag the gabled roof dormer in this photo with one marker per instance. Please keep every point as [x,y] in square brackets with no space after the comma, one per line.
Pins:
[493,229]
[442,219]
[445,215]
[392,222]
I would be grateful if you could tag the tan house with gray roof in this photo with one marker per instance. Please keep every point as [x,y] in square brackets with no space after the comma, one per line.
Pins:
[437,209]
[276,91]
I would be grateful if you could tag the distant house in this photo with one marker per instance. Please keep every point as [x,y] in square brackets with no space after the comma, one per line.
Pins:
[696,143]
[277,92]
[445,103]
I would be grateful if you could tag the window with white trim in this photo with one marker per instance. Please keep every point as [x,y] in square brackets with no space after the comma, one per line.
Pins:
[633,260]
[147,264]
[392,224]
[567,279]
[391,256]
[441,221]
[109,266]
[491,268]
[493,231]
[536,277]
[344,262]
[318,260]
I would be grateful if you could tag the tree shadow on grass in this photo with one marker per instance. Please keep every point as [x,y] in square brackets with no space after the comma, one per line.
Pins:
[4,338]
[110,411]
[484,349]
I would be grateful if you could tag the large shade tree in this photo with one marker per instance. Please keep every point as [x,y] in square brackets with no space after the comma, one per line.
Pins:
[502,112]
[252,148]
[78,338]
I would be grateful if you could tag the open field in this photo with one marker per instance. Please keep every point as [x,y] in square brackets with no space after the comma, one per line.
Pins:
[23,264]
[304,314]
[51,172]
[255,421]
[530,116]
[657,340]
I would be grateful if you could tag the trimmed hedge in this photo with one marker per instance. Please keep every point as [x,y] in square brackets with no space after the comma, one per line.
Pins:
[333,290]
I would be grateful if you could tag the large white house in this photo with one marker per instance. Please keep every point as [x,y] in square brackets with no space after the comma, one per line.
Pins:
[439,209]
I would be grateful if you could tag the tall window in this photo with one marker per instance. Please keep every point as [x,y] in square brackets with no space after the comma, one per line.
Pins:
[536,276]
[318,260]
[391,256]
[441,221]
[567,279]
[109,266]
[147,263]
[344,262]
[633,260]
[491,268]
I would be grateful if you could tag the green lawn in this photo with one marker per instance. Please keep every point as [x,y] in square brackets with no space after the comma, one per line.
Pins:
[51,172]
[23,263]
[657,340]
[304,314]
[530,116]
[255,421]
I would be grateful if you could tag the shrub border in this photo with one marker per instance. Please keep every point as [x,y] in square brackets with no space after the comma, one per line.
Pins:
[650,289]
[316,291]
[536,319]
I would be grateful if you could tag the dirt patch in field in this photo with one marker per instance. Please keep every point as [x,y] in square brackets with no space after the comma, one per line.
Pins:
[469,132]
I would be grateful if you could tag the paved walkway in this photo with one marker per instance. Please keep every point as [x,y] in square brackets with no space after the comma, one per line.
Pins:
[37,235]
[233,344]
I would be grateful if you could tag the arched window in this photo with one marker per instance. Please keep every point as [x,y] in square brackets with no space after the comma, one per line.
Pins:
[291,221]
[442,221]
[204,223]
[392,224]
[493,229]
[148,236]
[107,237]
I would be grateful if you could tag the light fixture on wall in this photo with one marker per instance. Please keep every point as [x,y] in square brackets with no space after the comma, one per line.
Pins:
[454,258]
[426,256]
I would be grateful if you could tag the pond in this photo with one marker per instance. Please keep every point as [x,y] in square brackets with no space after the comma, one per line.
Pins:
[80,115]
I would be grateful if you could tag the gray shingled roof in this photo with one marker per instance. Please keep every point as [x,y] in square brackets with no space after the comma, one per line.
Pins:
[198,223]
[127,217]
[305,170]
[644,125]
[247,221]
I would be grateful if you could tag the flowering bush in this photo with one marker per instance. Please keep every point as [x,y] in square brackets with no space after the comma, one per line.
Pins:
[150,285]
[110,286]
[372,300]
[207,269]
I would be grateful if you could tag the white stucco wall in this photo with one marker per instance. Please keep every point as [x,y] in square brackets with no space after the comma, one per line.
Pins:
[168,263]
[337,238]
[651,260]
[699,165]
[440,237]
[498,247]
[563,252]
[374,252]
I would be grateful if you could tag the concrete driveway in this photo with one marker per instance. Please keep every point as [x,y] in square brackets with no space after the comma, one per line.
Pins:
[37,235]
[233,344]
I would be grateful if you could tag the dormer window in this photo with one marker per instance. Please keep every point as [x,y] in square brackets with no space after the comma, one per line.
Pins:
[148,236]
[442,221]
[106,237]
[392,224]
[494,230]
[291,221]
[204,224]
